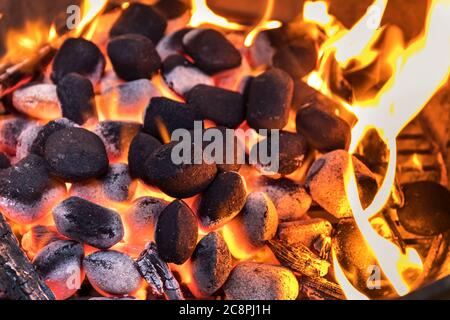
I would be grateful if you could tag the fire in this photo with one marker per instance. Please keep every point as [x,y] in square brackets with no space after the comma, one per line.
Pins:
[202,14]
[263,24]
[90,10]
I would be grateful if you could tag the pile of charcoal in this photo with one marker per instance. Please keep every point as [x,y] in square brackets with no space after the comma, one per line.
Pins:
[79,144]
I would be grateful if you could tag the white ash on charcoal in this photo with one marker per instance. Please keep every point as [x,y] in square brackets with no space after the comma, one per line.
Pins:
[158,275]
[140,219]
[269,100]
[37,145]
[224,107]
[211,51]
[427,208]
[25,141]
[176,13]
[177,180]
[292,150]
[325,183]
[140,19]
[11,127]
[112,273]
[222,200]
[38,101]
[76,154]
[116,185]
[133,57]
[323,130]
[117,137]
[167,115]
[80,56]
[290,198]
[59,264]
[255,281]
[256,224]
[27,191]
[176,233]
[4,161]
[86,222]
[261,52]
[172,43]
[356,259]
[211,263]
[315,234]
[38,237]
[141,148]
[77,98]
[181,76]
[127,101]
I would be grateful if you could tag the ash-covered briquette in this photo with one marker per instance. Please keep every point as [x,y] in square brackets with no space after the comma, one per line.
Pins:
[325,183]
[117,137]
[77,98]
[170,9]
[116,185]
[76,154]
[222,200]
[177,180]
[176,233]
[164,116]
[292,150]
[211,51]
[257,281]
[290,198]
[181,75]
[324,131]
[38,237]
[258,221]
[141,148]
[298,59]
[11,127]
[224,107]
[44,132]
[80,56]
[427,208]
[269,100]
[141,219]
[4,161]
[86,222]
[211,263]
[59,264]
[306,232]
[112,273]
[172,44]
[37,100]
[26,140]
[140,19]
[133,57]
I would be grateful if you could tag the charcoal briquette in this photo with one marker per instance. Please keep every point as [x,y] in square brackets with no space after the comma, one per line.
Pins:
[140,19]
[298,59]
[89,223]
[11,127]
[269,100]
[59,264]
[39,101]
[211,51]
[38,237]
[176,233]
[77,98]
[79,56]
[211,263]
[141,148]
[112,273]
[177,180]
[324,131]
[76,154]
[292,150]
[38,145]
[222,200]
[4,161]
[224,107]
[133,57]
[172,44]
[181,75]
[306,232]
[427,208]
[170,9]
[164,116]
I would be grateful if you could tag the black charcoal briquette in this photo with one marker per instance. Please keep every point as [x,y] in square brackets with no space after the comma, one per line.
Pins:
[38,144]
[172,44]
[4,161]
[141,148]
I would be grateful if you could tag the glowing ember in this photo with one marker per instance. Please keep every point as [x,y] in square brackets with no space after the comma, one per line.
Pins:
[202,14]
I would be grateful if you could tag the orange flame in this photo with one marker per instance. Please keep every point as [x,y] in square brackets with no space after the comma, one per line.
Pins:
[263,24]
[202,14]
[90,10]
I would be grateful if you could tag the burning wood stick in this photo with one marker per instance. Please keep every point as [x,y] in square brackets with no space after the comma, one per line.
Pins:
[317,288]
[18,278]
[299,258]
[158,275]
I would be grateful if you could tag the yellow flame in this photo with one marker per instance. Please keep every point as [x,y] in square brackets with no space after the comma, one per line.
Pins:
[90,10]
[317,12]
[202,14]
[263,24]
[416,161]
